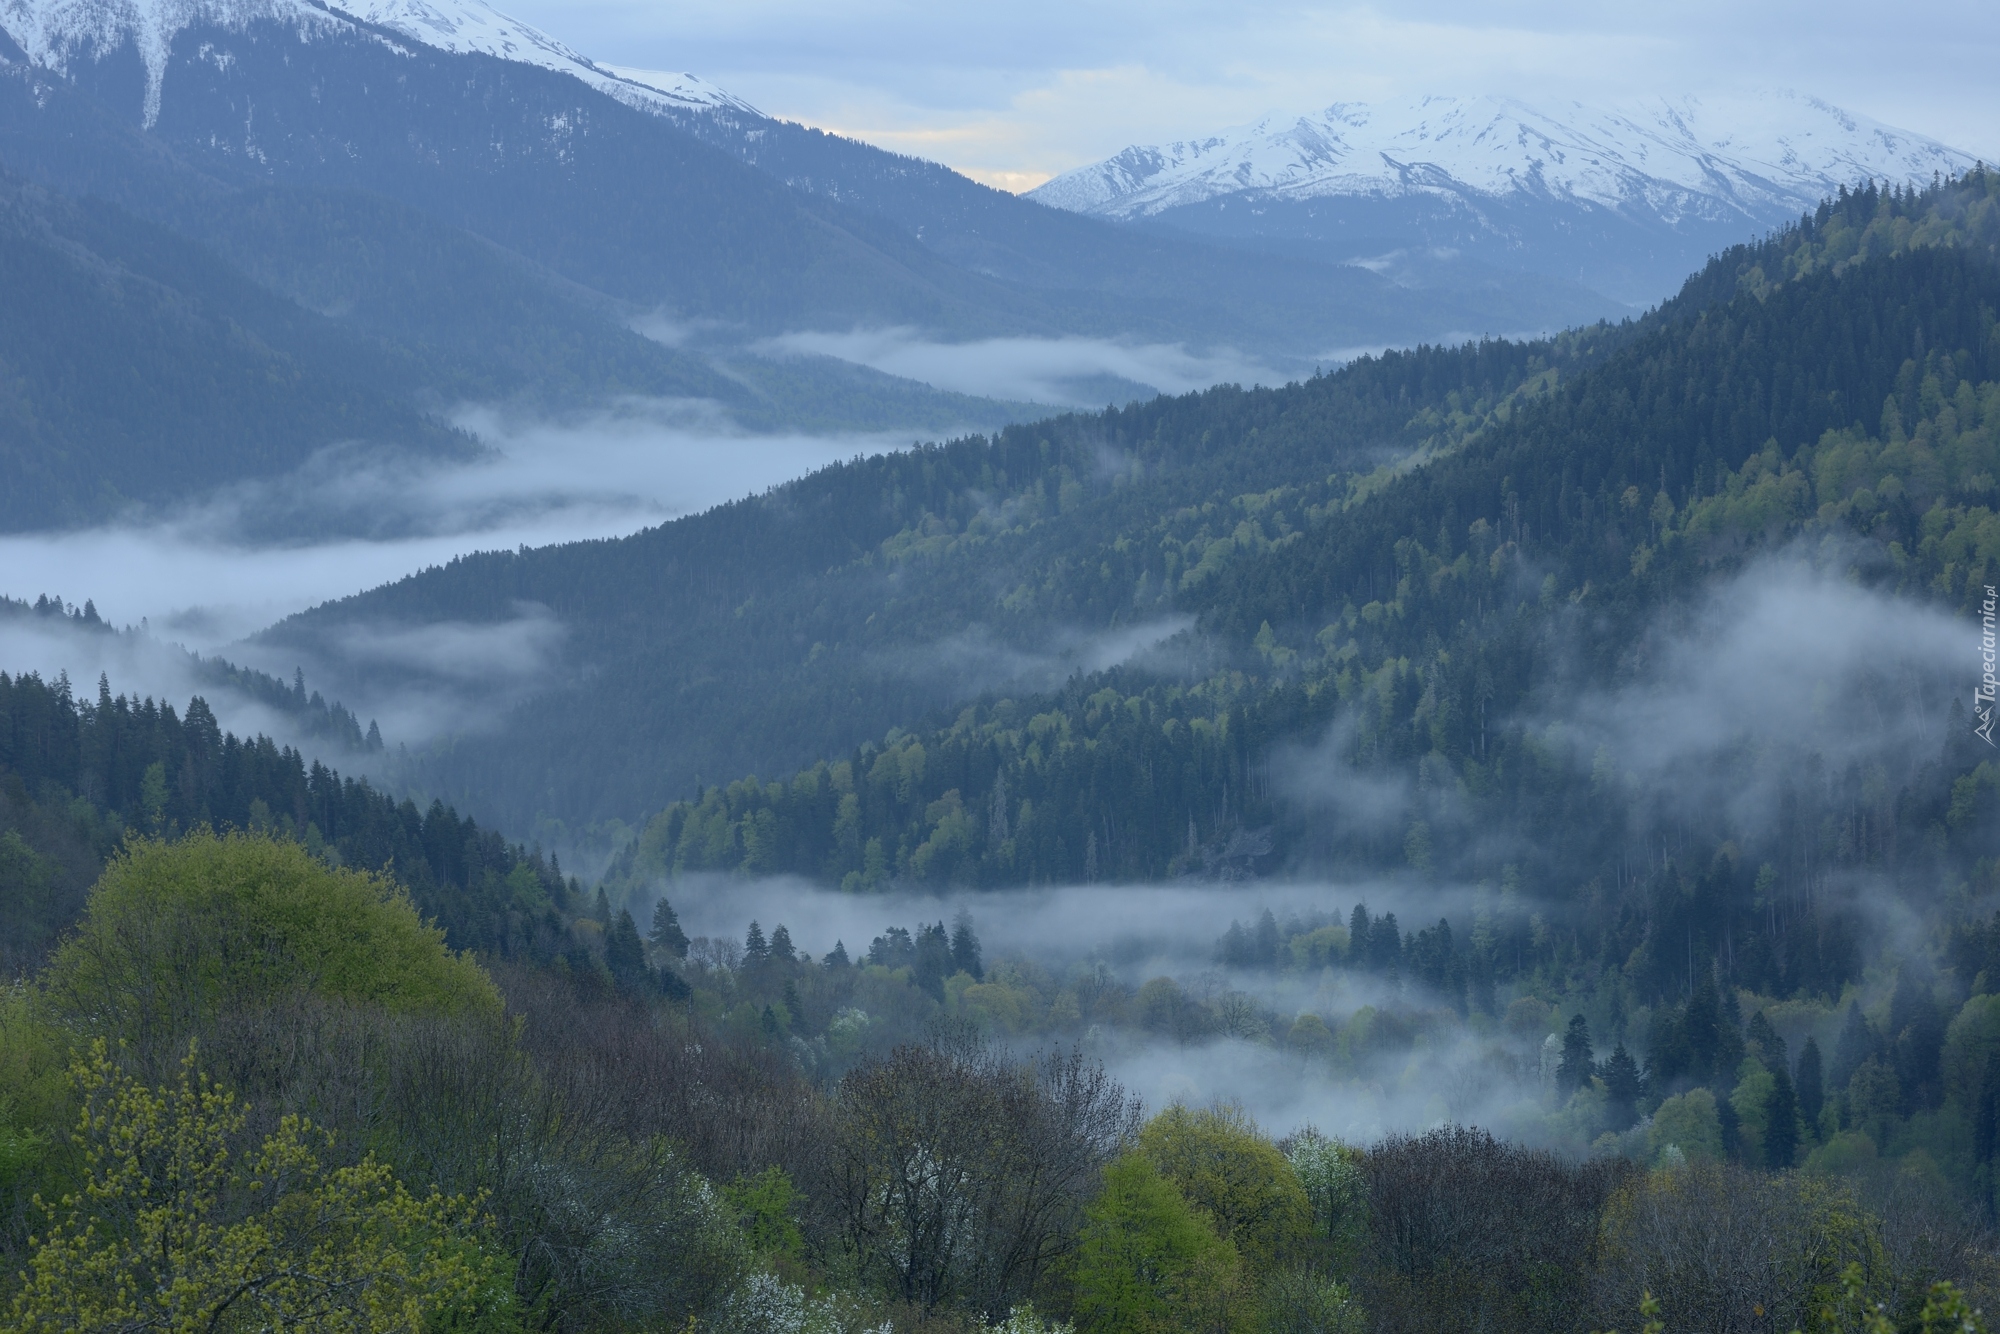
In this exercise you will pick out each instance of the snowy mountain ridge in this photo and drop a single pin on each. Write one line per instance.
(1760, 158)
(53, 33)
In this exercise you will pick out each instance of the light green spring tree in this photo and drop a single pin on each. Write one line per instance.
(175, 1231)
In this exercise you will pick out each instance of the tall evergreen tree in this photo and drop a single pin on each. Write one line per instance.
(965, 946)
(666, 932)
(625, 955)
(1267, 940)
(1811, 1085)
(756, 949)
(781, 946)
(1781, 1124)
(1357, 935)
(1577, 1066)
(1623, 1088)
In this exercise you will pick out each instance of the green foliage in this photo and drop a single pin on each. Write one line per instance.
(176, 1228)
(1687, 1122)
(1148, 1262)
(1224, 1167)
(767, 1206)
(183, 932)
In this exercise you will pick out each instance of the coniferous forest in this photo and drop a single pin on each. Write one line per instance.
(1501, 836)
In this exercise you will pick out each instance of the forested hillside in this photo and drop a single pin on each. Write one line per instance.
(802, 622)
(78, 776)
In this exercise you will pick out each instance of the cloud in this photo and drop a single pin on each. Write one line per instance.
(1790, 659)
(141, 666)
(219, 568)
(1138, 932)
(1079, 372)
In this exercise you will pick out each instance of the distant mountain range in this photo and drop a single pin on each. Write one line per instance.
(1623, 201)
(455, 207)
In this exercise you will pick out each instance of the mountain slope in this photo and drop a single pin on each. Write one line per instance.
(134, 365)
(1626, 200)
(598, 179)
(1557, 655)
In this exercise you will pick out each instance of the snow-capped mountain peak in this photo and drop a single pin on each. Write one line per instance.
(474, 26)
(1758, 157)
(53, 33)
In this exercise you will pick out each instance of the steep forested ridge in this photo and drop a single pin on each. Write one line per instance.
(78, 775)
(1438, 611)
(798, 623)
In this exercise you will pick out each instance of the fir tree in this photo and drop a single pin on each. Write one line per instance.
(837, 956)
(625, 955)
(1577, 1066)
(781, 946)
(1811, 1085)
(1623, 1088)
(965, 946)
(1267, 940)
(1781, 1130)
(666, 932)
(755, 949)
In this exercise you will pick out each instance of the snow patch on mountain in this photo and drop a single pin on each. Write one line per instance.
(474, 26)
(55, 33)
(1761, 157)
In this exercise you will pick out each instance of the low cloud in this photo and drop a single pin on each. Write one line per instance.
(213, 570)
(141, 666)
(1075, 372)
(1138, 932)
(1789, 660)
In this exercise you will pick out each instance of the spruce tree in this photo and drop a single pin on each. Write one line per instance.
(755, 949)
(666, 932)
(1624, 1087)
(1811, 1085)
(837, 956)
(625, 955)
(965, 946)
(1781, 1129)
(781, 946)
(1267, 940)
(1577, 1066)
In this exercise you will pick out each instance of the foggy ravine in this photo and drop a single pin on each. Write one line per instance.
(214, 571)
(1782, 663)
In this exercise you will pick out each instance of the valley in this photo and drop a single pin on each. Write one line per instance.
(619, 713)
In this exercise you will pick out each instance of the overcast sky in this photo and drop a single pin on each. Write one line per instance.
(1016, 90)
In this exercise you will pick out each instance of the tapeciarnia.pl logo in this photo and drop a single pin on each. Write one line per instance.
(1982, 698)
